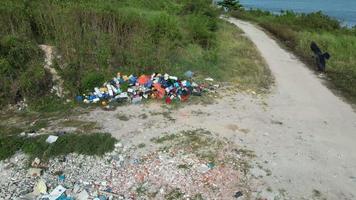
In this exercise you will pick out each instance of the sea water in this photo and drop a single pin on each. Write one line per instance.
(343, 10)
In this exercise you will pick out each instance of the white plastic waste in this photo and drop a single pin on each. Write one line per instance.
(55, 194)
(51, 139)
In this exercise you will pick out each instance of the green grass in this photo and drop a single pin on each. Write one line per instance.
(174, 194)
(239, 60)
(98, 38)
(87, 144)
(297, 31)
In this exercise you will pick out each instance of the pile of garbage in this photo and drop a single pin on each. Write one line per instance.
(134, 89)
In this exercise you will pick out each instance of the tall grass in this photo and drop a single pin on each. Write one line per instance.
(97, 38)
(87, 144)
(100, 37)
(297, 31)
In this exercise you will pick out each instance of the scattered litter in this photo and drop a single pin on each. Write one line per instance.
(276, 122)
(211, 165)
(189, 74)
(40, 187)
(51, 139)
(83, 195)
(125, 173)
(36, 162)
(209, 79)
(56, 193)
(238, 194)
(203, 168)
(34, 172)
(60, 133)
(61, 178)
(135, 89)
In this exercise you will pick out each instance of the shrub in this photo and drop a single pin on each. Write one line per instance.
(21, 73)
(92, 79)
(35, 82)
(199, 29)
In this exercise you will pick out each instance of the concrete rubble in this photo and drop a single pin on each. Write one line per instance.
(121, 174)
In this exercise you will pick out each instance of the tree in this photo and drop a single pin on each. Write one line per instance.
(230, 5)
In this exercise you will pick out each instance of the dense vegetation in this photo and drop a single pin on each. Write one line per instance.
(96, 38)
(87, 144)
(297, 31)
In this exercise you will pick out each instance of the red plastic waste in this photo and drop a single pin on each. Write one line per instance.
(160, 92)
(143, 79)
(184, 97)
(168, 100)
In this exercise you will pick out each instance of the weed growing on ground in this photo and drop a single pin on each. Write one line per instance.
(174, 194)
(87, 144)
(206, 147)
(122, 117)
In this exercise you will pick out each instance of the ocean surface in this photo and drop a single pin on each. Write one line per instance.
(343, 10)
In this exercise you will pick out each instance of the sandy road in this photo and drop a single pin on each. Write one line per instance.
(315, 148)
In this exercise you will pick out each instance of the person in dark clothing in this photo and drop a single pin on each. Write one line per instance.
(320, 57)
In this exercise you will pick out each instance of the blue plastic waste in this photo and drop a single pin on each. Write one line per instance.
(102, 197)
(61, 177)
(189, 74)
(132, 80)
(79, 98)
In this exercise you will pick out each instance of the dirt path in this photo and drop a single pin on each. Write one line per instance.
(58, 82)
(315, 147)
(302, 134)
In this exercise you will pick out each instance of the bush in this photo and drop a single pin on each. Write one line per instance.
(49, 104)
(35, 82)
(284, 33)
(200, 30)
(21, 73)
(91, 80)
(96, 38)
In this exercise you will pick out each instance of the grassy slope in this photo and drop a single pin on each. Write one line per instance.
(297, 32)
(98, 38)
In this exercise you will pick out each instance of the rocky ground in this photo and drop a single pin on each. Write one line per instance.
(187, 165)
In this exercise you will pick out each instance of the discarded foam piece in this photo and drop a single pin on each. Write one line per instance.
(136, 100)
(203, 168)
(76, 188)
(55, 194)
(36, 162)
(51, 139)
(34, 172)
(209, 79)
(40, 187)
(83, 195)
(29, 196)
